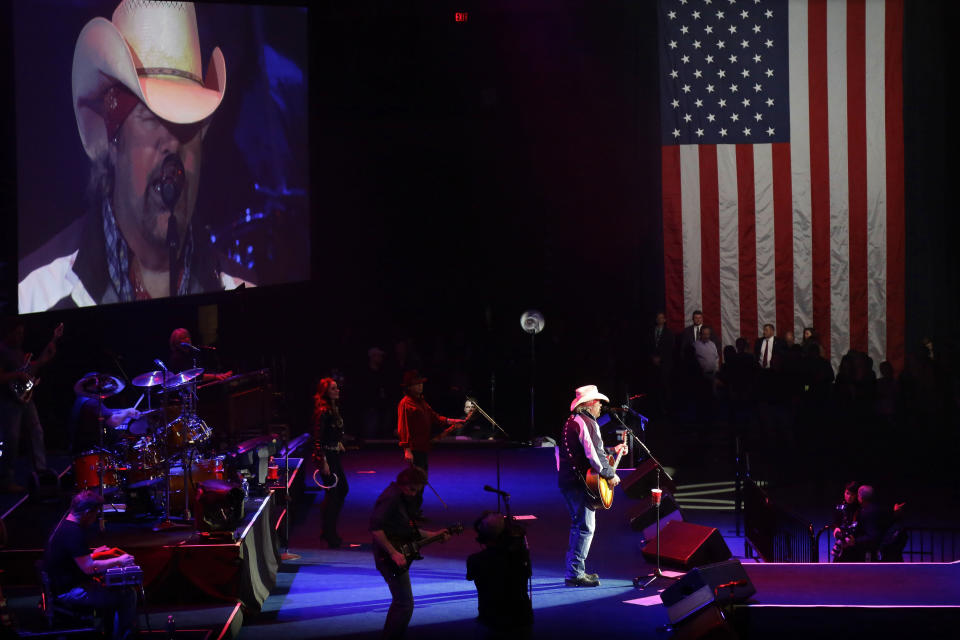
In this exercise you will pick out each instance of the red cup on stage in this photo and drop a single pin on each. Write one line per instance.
(656, 494)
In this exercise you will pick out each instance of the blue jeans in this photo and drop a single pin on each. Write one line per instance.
(401, 606)
(583, 522)
(118, 606)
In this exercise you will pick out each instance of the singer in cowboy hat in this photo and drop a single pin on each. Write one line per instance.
(142, 103)
(581, 448)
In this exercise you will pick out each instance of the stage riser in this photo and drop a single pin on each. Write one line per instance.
(849, 623)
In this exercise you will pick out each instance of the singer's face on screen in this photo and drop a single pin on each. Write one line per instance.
(143, 142)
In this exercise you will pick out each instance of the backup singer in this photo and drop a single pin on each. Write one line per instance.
(327, 448)
(392, 522)
(416, 419)
(71, 569)
(580, 449)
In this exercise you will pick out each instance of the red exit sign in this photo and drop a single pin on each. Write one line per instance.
(460, 16)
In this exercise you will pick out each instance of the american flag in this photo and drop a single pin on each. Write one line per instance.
(782, 156)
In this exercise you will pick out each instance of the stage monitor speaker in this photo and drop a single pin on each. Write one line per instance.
(686, 545)
(638, 484)
(643, 515)
(706, 623)
(720, 583)
(650, 532)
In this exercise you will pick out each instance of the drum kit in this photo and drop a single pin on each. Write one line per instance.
(163, 451)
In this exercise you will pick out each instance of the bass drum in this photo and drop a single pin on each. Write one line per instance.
(186, 431)
(200, 471)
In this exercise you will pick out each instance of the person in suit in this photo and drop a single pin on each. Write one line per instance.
(661, 343)
(768, 348)
(691, 333)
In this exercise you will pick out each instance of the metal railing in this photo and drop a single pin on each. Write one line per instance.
(939, 544)
(774, 533)
(924, 544)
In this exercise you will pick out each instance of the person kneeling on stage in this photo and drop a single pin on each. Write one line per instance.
(72, 570)
(392, 523)
(501, 572)
(580, 449)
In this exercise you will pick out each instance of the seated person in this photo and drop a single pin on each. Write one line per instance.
(501, 572)
(71, 569)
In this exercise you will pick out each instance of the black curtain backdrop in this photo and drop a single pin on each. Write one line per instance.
(465, 172)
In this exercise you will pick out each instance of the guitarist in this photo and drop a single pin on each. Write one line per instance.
(15, 410)
(392, 522)
(581, 448)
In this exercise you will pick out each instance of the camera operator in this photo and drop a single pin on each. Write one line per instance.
(72, 569)
(501, 571)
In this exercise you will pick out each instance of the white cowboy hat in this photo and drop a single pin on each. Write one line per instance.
(587, 394)
(152, 49)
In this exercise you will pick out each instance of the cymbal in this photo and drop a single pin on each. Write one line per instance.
(177, 380)
(95, 385)
(149, 379)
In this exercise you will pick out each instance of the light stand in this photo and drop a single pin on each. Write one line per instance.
(532, 322)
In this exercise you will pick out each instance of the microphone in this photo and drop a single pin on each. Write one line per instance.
(611, 409)
(172, 178)
(504, 494)
(159, 363)
(187, 345)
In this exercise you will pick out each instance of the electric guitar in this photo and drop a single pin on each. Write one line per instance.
(411, 550)
(597, 487)
(23, 389)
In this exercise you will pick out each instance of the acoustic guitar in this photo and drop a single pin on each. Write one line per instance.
(597, 486)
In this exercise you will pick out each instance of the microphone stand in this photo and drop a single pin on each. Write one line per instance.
(166, 524)
(657, 573)
(493, 422)
(173, 242)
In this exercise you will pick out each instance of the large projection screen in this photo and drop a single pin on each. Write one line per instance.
(162, 149)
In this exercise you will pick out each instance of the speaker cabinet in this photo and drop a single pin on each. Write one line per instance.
(638, 484)
(686, 545)
(725, 582)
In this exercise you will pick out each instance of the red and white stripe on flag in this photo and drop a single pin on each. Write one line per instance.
(808, 232)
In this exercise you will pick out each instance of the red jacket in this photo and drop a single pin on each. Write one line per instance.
(415, 420)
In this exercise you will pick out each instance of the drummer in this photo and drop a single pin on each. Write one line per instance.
(84, 420)
(183, 355)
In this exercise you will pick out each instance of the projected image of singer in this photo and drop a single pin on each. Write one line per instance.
(143, 106)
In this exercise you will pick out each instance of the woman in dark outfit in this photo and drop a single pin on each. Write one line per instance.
(327, 448)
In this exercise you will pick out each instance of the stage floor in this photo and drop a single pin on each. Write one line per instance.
(339, 594)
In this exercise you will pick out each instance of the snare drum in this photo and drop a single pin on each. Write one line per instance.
(186, 431)
(88, 466)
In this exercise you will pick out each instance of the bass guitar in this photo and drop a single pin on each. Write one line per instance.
(597, 487)
(411, 550)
